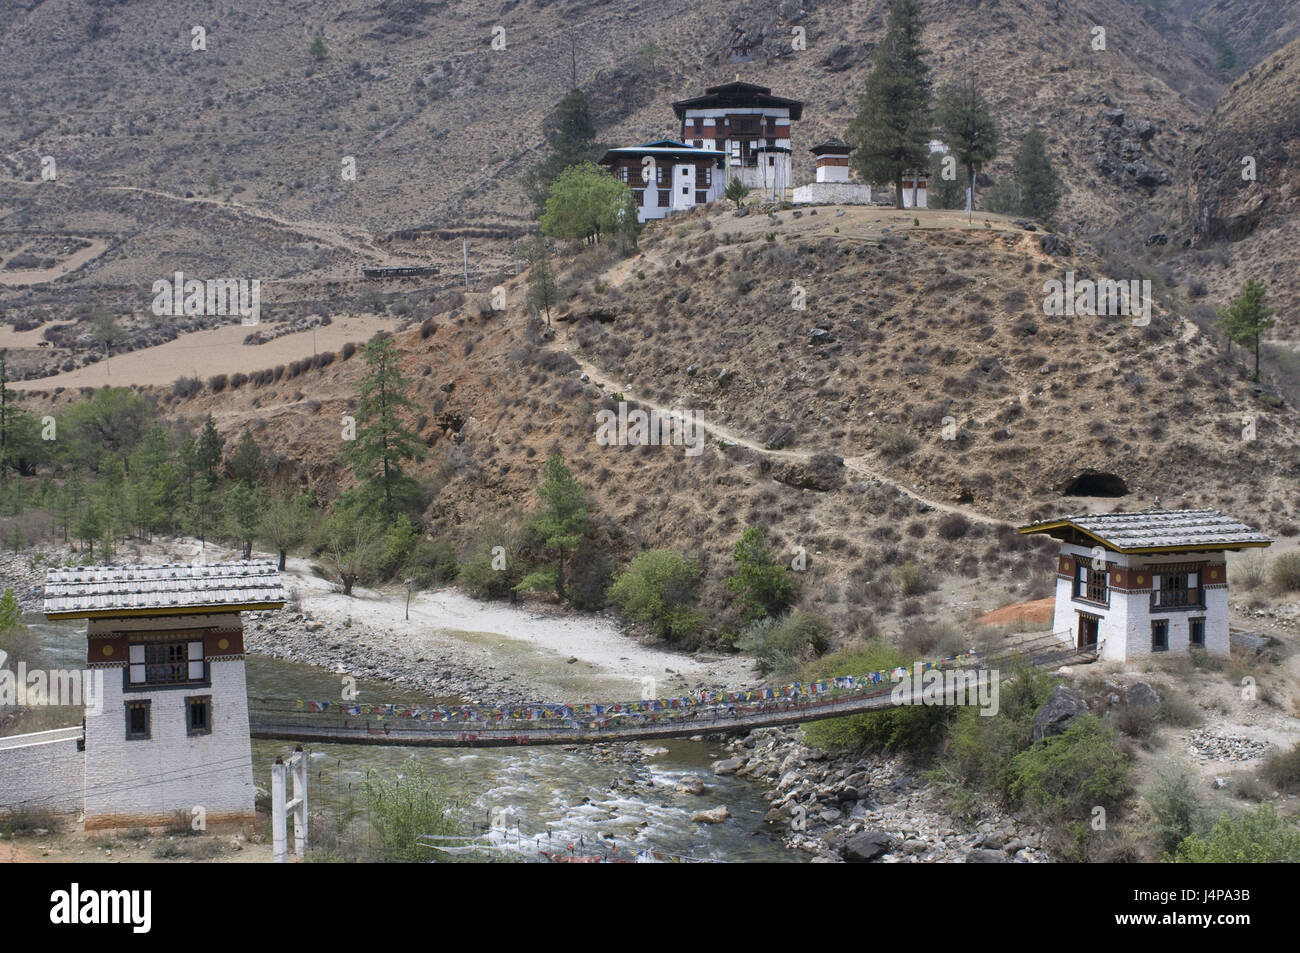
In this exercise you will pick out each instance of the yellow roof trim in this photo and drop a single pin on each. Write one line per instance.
(169, 610)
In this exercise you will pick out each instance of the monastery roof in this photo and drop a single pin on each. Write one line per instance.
(833, 144)
(170, 589)
(740, 96)
(1155, 531)
(665, 147)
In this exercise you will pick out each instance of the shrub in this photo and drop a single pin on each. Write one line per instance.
(919, 729)
(780, 645)
(402, 808)
(912, 579)
(590, 571)
(1066, 776)
(1284, 574)
(895, 441)
(954, 526)
(763, 584)
(1176, 807)
(659, 589)
(1258, 837)
(1282, 770)
(185, 387)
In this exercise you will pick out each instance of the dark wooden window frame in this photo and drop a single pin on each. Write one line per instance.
(1192, 624)
(1162, 626)
(177, 639)
(198, 700)
(144, 705)
(1096, 589)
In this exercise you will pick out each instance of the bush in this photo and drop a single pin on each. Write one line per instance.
(1176, 807)
(919, 729)
(1066, 776)
(404, 807)
(658, 589)
(1282, 770)
(589, 571)
(895, 441)
(762, 583)
(911, 579)
(1284, 574)
(954, 526)
(1259, 837)
(780, 645)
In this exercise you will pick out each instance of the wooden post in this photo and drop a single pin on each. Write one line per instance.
(277, 811)
(464, 249)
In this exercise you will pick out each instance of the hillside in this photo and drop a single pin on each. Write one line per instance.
(905, 325)
(1251, 226)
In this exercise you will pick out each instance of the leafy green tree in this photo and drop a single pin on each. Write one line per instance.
(89, 527)
(383, 442)
(736, 191)
(968, 130)
(561, 524)
(243, 512)
(105, 330)
(496, 562)
(761, 582)
(24, 450)
(586, 202)
(286, 523)
(1246, 318)
(68, 500)
(891, 131)
(108, 425)
(543, 292)
(1258, 837)
(658, 589)
(351, 545)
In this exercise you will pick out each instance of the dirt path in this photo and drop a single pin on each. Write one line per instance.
(70, 264)
(333, 235)
(856, 465)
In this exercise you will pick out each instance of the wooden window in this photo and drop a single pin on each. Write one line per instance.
(1196, 632)
(1160, 635)
(1177, 590)
(138, 722)
(166, 663)
(198, 715)
(1089, 583)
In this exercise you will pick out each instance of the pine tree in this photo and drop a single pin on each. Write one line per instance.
(1246, 318)
(247, 462)
(243, 511)
(561, 524)
(208, 454)
(968, 130)
(571, 140)
(383, 443)
(762, 583)
(1040, 190)
(542, 289)
(892, 128)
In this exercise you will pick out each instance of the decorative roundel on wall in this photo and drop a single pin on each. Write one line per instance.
(1214, 574)
(1140, 580)
(223, 644)
(108, 650)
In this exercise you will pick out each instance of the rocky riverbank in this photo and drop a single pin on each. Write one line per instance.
(854, 808)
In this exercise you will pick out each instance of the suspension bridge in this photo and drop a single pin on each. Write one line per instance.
(708, 713)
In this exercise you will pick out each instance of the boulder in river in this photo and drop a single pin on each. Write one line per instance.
(715, 815)
(866, 846)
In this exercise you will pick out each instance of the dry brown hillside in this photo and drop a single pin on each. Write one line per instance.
(904, 325)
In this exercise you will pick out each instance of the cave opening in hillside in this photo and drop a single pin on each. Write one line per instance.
(1096, 483)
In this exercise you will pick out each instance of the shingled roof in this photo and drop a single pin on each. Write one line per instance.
(171, 589)
(1155, 531)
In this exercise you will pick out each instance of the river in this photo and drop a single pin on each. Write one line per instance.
(579, 796)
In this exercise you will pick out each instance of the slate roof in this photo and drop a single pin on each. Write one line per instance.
(1152, 531)
(739, 95)
(833, 144)
(92, 591)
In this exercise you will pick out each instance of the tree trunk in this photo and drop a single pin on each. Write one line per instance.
(282, 555)
(347, 581)
(898, 190)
